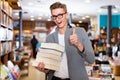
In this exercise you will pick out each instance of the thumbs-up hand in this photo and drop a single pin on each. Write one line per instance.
(74, 37)
(74, 40)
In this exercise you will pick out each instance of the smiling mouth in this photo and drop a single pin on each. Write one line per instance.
(59, 22)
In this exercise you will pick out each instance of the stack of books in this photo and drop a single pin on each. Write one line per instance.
(50, 54)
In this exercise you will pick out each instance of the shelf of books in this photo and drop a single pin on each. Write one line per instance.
(6, 27)
(8, 69)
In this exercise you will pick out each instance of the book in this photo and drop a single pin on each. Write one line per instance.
(16, 71)
(10, 64)
(3, 72)
(6, 68)
(50, 54)
(54, 46)
(45, 50)
(47, 65)
(48, 61)
(51, 64)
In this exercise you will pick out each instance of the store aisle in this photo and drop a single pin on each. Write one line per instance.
(34, 74)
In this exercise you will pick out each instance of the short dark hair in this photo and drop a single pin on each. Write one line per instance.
(58, 5)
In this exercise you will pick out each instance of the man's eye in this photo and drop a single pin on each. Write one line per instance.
(60, 15)
(54, 16)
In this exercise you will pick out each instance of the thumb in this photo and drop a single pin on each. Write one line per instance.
(74, 31)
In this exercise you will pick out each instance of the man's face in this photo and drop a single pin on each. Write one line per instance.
(59, 16)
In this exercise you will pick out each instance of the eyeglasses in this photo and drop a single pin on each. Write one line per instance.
(59, 16)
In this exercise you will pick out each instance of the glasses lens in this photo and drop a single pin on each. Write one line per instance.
(59, 16)
(53, 17)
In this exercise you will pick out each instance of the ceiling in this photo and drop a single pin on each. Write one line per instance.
(78, 8)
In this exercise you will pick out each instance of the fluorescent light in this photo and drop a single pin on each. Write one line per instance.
(16, 13)
(83, 18)
(99, 11)
(30, 4)
(87, 16)
(18, 3)
(87, 1)
(115, 11)
(39, 18)
(32, 19)
(48, 19)
(18, 17)
(32, 16)
(80, 21)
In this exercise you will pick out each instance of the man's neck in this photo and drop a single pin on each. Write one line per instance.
(62, 30)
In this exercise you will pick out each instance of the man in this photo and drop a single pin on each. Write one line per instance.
(77, 47)
(34, 42)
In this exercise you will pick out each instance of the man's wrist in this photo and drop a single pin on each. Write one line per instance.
(80, 47)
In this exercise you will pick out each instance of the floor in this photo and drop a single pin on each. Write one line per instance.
(33, 74)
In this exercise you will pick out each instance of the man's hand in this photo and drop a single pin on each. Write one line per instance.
(74, 40)
(74, 37)
(41, 67)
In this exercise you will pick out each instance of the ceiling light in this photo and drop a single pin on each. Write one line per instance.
(48, 19)
(18, 3)
(83, 17)
(87, 16)
(31, 16)
(39, 18)
(18, 17)
(87, 1)
(77, 25)
(80, 21)
(115, 11)
(16, 13)
(30, 4)
(99, 11)
(32, 19)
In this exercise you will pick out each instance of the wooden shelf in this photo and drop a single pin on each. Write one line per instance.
(6, 38)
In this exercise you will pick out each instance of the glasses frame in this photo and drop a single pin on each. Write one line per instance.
(59, 16)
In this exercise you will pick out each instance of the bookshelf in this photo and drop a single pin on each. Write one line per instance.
(6, 39)
(6, 27)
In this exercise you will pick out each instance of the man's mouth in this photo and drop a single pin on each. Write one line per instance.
(59, 23)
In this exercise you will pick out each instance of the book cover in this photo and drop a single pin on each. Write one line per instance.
(3, 73)
(9, 77)
(10, 64)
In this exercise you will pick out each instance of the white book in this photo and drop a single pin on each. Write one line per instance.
(54, 46)
(52, 67)
(48, 61)
(58, 53)
(47, 66)
(48, 55)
